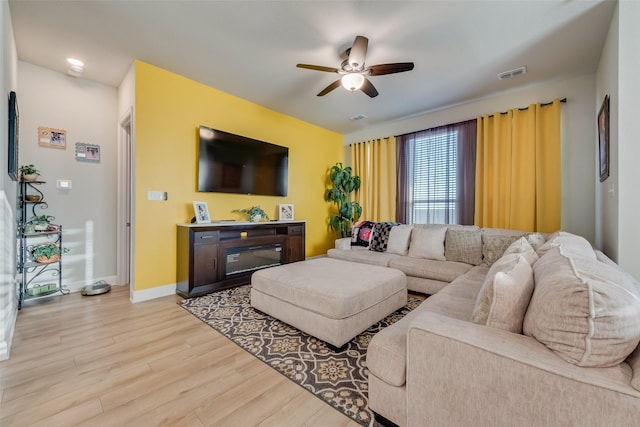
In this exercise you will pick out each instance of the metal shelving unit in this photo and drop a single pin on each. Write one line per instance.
(37, 280)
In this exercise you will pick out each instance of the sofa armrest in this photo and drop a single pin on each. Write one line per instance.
(460, 373)
(343, 243)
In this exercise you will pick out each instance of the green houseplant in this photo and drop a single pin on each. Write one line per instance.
(29, 172)
(343, 184)
(254, 213)
(46, 253)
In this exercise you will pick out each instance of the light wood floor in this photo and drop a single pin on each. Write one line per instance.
(102, 361)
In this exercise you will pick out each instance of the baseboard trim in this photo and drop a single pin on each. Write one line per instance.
(153, 293)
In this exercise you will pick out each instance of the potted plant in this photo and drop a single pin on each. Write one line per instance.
(348, 211)
(254, 213)
(29, 172)
(42, 223)
(46, 253)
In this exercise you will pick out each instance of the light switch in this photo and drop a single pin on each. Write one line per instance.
(156, 195)
(64, 184)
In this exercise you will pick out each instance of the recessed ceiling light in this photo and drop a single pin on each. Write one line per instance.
(75, 62)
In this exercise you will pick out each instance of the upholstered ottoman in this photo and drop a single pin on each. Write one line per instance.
(330, 299)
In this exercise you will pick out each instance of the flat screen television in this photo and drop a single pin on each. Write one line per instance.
(229, 163)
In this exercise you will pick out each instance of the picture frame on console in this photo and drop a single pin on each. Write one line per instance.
(603, 139)
(201, 213)
(285, 212)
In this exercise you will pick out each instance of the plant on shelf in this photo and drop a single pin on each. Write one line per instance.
(29, 172)
(254, 213)
(46, 253)
(42, 223)
(348, 211)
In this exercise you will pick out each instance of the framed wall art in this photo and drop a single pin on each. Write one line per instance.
(87, 152)
(201, 212)
(285, 212)
(603, 139)
(49, 137)
(12, 154)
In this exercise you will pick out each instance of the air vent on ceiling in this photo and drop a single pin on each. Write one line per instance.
(512, 73)
(358, 117)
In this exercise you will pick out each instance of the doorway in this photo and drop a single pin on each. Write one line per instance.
(125, 206)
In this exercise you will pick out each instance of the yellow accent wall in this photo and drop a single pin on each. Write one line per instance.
(168, 110)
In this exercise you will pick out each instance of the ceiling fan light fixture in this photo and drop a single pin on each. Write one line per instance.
(352, 81)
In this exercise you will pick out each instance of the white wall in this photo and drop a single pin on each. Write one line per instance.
(628, 136)
(87, 212)
(578, 128)
(607, 201)
(8, 80)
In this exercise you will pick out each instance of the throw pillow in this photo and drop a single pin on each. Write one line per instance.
(399, 238)
(522, 247)
(361, 233)
(428, 242)
(463, 245)
(504, 297)
(380, 236)
(536, 240)
(572, 244)
(583, 310)
(495, 241)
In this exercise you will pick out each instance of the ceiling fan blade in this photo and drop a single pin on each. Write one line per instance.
(329, 88)
(358, 52)
(400, 67)
(318, 68)
(369, 89)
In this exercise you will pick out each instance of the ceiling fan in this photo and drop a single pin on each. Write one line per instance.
(354, 73)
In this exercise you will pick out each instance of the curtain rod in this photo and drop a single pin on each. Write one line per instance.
(544, 104)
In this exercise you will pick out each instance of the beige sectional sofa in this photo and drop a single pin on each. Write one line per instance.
(542, 332)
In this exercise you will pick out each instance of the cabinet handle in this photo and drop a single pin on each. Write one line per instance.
(215, 264)
(207, 237)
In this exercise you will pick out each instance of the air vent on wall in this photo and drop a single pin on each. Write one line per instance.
(512, 73)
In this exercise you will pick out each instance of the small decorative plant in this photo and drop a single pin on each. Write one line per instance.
(254, 213)
(46, 253)
(29, 172)
(348, 211)
(41, 222)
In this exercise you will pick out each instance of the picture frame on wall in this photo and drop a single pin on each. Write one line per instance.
(201, 212)
(603, 139)
(285, 212)
(50, 137)
(12, 154)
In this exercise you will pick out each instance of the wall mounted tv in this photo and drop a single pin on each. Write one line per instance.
(229, 163)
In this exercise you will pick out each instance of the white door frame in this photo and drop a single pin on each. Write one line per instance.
(125, 205)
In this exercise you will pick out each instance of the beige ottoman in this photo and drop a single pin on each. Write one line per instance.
(330, 299)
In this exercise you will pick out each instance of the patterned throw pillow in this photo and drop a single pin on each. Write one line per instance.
(361, 233)
(463, 246)
(495, 241)
(380, 236)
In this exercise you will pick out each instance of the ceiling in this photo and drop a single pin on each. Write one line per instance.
(250, 48)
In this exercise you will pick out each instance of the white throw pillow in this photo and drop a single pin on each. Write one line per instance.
(522, 247)
(504, 297)
(428, 242)
(399, 238)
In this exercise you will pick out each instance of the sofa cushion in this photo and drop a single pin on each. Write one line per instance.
(572, 244)
(536, 240)
(446, 271)
(522, 247)
(463, 245)
(634, 363)
(495, 241)
(399, 238)
(505, 294)
(428, 242)
(584, 310)
(363, 256)
(380, 236)
(361, 233)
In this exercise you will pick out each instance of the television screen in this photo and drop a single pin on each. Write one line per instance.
(229, 163)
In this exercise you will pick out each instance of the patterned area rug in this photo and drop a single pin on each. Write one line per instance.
(340, 379)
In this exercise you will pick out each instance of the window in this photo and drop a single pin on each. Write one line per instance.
(437, 175)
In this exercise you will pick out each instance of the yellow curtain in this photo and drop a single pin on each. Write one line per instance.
(518, 182)
(375, 163)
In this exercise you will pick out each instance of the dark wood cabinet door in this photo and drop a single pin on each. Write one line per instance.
(295, 249)
(205, 264)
